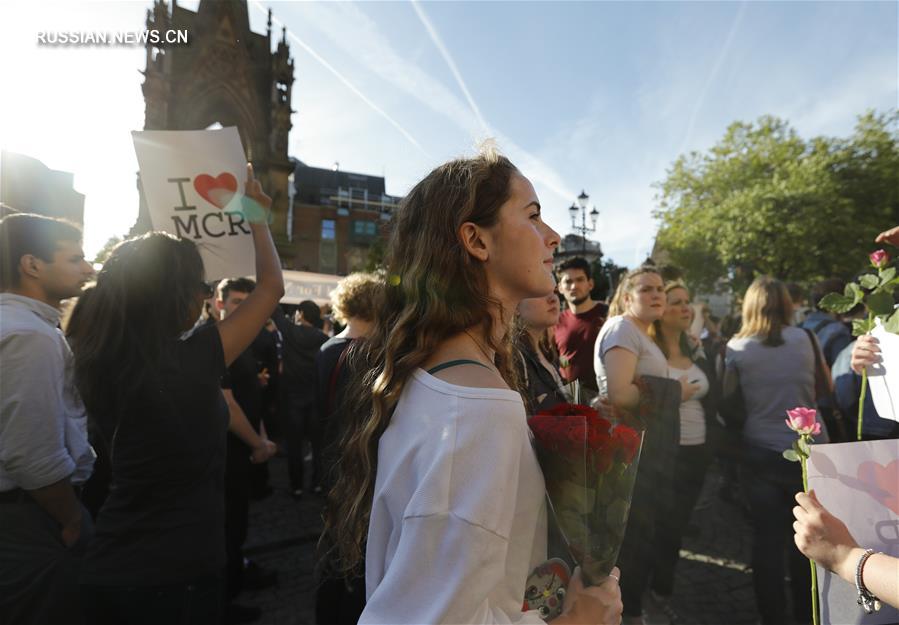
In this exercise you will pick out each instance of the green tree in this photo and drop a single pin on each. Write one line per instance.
(765, 201)
(606, 276)
(374, 259)
(107, 248)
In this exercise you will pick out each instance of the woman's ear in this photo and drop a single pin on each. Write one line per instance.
(474, 240)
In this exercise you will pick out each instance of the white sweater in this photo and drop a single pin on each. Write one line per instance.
(458, 519)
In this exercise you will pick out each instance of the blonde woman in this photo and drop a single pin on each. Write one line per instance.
(773, 365)
(437, 477)
(624, 352)
(687, 362)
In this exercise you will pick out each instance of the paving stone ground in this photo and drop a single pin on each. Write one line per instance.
(713, 585)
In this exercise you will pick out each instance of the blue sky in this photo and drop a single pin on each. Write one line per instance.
(596, 95)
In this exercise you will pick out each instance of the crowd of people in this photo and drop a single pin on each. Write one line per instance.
(135, 432)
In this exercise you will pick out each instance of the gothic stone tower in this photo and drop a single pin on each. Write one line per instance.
(226, 74)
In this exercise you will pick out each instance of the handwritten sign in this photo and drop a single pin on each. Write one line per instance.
(192, 181)
(859, 483)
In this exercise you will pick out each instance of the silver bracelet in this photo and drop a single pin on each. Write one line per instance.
(869, 602)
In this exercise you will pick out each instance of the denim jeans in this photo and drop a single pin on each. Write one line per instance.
(770, 483)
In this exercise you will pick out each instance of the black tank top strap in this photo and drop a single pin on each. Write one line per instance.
(453, 363)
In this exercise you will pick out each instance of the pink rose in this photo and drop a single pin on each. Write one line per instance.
(803, 421)
(879, 259)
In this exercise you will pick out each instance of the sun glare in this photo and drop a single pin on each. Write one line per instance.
(74, 105)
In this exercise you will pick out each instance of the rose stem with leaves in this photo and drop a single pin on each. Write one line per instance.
(802, 459)
(804, 421)
(861, 397)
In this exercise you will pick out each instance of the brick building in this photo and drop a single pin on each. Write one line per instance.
(334, 219)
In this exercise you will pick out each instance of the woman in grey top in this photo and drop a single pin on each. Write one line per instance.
(623, 353)
(773, 365)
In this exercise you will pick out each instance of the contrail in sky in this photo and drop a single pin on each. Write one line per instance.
(536, 168)
(738, 18)
(345, 81)
(438, 42)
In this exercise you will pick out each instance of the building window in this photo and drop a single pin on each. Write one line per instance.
(328, 230)
(343, 197)
(326, 195)
(363, 229)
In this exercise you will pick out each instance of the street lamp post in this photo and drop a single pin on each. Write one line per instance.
(581, 207)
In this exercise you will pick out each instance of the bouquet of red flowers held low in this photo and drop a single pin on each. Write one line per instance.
(589, 463)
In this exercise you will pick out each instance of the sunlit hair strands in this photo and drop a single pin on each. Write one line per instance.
(435, 289)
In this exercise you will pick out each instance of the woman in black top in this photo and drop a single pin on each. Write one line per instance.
(155, 398)
(538, 362)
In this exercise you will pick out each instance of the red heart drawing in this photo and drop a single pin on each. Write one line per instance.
(217, 191)
(886, 481)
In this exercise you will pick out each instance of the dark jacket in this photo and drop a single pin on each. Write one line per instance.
(537, 380)
(710, 401)
(301, 344)
(661, 416)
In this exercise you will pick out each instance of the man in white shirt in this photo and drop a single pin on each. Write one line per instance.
(44, 453)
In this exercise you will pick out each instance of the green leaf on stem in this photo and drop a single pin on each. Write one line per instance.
(836, 303)
(892, 324)
(880, 303)
(869, 281)
(855, 292)
(861, 327)
(803, 447)
(791, 455)
(886, 275)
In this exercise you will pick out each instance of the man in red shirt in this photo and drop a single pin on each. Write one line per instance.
(579, 324)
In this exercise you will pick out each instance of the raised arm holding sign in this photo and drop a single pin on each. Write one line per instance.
(240, 327)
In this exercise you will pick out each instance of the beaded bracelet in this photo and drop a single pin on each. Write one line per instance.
(869, 602)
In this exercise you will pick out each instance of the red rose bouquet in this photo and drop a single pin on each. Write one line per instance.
(589, 463)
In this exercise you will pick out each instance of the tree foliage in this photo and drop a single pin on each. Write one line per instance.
(606, 276)
(765, 201)
(107, 248)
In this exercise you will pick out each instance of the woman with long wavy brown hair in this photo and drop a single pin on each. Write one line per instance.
(437, 476)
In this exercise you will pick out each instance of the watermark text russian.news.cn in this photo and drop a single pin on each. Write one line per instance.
(120, 38)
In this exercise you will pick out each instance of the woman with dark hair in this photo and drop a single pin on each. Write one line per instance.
(537, 357)
(771, 364)
(437, 479)
(155, 398)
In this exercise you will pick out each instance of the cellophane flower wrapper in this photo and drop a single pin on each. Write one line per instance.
(589, 464)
